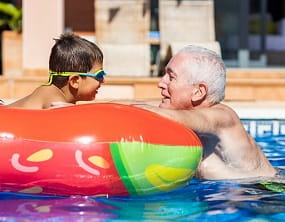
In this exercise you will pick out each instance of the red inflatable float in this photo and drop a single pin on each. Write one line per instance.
(94, 149)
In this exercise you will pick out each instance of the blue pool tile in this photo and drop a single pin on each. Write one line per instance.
(268, 127)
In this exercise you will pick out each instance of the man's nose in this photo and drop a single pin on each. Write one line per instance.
(162, 83)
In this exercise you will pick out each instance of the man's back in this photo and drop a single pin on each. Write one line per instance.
(230, 153)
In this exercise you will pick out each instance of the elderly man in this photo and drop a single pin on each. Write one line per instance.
(192, 89)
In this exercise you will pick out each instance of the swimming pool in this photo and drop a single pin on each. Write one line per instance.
(201, 200)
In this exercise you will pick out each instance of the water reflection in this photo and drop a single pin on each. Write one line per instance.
(198, 201)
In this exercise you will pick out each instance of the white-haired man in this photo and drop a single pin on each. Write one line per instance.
(193, 88)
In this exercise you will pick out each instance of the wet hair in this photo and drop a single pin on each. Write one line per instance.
(71, 53)
(206, 66)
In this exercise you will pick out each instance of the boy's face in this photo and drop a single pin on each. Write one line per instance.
(89, 86)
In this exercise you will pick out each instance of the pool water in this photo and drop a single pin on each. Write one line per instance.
(201, 200)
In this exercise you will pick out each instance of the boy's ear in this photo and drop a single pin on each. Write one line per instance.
(199, 93)
(74, 81)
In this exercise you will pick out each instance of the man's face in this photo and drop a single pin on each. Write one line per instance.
(175, 87)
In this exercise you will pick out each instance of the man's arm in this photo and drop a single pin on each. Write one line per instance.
(203, 120)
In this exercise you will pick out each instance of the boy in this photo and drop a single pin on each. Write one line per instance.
(76, 74)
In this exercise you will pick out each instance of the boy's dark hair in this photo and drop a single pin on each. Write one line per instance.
(72, 53)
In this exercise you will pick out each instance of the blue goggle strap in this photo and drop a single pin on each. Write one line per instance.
(98, 75)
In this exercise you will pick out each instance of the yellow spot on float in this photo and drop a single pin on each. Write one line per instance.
(99, 161)
(32, 190)
(167, 178)
(41, 155)
(43, 209)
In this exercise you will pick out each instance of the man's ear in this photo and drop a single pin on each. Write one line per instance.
(74, 81)
(199, 93)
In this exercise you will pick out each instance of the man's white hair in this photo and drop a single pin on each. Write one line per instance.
(206, 66)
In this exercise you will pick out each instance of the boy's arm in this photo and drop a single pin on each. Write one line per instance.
(58, 105)
(137, 103)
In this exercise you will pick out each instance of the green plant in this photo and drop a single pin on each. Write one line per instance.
(11, 15)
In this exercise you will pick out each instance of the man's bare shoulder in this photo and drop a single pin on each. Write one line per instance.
(223, 114)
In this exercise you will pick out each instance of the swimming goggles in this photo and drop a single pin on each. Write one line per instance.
(98, 75)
